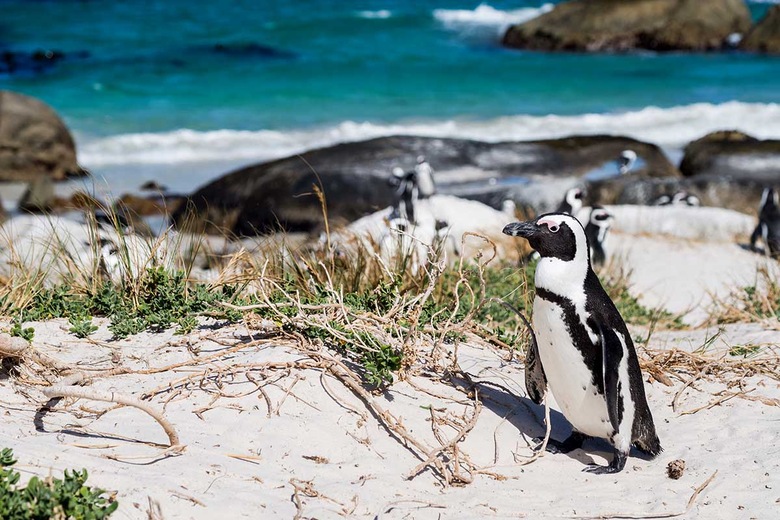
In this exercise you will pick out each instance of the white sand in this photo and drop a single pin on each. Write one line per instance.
(356, 469)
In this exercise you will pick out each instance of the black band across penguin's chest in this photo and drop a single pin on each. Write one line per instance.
(578, 332)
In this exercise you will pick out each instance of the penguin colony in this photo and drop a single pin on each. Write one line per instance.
(585, 353)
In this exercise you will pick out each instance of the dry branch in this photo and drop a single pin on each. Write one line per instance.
(67, 390)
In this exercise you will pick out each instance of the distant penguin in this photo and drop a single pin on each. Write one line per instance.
(424, 178)
(662, 200)
(585, 352)
(509, 208)
(407, 194)
(683, 198)
(572, 202)
(680, 198)
(626, 161)
(599, 222)
(768, 228)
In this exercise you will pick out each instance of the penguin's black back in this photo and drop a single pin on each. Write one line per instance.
(769, 218)
(601, 308)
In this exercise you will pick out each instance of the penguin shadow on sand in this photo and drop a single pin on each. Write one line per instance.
(527, 418)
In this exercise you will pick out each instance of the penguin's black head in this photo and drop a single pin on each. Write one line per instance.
(600, 217)
(553, 235)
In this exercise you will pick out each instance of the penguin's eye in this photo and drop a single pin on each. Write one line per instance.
(553, 228)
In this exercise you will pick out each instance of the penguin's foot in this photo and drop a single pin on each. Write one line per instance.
(572, 442)
(617, 465)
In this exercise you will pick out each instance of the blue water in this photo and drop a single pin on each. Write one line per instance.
(147, 82)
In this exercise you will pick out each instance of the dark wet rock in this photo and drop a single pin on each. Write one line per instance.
(743, 195)
(78, 201)
(151, 205)
(611, 25)
(153, 186)
(35, 62)
(280, 195)
(34, 141)
(765, 35)
(248, 50)
(734, 155)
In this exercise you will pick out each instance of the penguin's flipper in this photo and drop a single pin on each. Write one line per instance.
(535, 379)
(612, 353)
(754, 237)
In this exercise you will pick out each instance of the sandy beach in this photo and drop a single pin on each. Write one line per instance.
(304, 444)
(252, 262)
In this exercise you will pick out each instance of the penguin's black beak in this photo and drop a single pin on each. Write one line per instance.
(521, 229)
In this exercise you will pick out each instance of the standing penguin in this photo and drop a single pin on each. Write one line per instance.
(626, 161)
(768, 228)
(407, 194)
(599, 222)
(585, 352)
(572, 202)
(424, 177)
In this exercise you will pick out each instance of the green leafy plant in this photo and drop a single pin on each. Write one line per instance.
(744, 350)
(81, 327)
(18, 329)
(41, 499)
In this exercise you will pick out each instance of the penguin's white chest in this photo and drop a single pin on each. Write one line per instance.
(568, 377)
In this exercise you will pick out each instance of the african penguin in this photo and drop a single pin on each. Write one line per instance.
(768, 228)
(572, 202)
(599, 222)
(585, 352)
(423, 173)
(681, 198)
(626, 161)
(407, 194)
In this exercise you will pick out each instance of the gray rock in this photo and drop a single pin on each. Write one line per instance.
(734, 155)
(741, 195)
(353, 177)
(34, 142)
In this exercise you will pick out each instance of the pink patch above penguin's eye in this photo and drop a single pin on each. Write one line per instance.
(551, 224)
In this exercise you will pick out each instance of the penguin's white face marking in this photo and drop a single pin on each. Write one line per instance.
(552, 225)
(574, 199)
(560, 240)
(564, 251)
(602, 219)
(769, 199)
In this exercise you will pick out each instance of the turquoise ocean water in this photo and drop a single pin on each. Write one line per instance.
(182, 91)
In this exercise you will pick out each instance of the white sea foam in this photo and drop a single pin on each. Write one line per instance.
(375, 15)
(670, 128)
(486, 16)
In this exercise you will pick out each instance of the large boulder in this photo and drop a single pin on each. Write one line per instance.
(727, 169)
(765, 36)
(741, 195)
(34, 142)
(353, 177)
(732, 154)
(619, 25)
